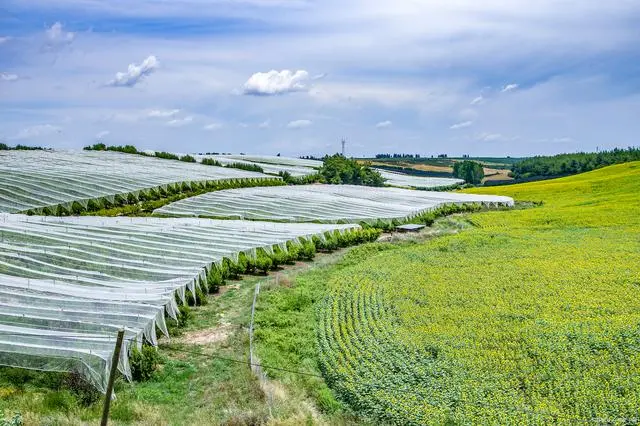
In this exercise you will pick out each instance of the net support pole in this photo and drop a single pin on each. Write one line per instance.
(112, 376)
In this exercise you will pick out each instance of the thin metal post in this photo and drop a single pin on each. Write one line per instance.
(112, 376)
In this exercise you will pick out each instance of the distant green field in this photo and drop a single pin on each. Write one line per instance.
(530, 317)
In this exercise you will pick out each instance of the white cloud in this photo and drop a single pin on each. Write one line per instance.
(461, 125)
(4, 39)
(265, 124)
(276, 83)
(495, 137)
(57, 37)
(179, 122)
(213, 126)
(38, 130)
(101, 135)
(8, 77)
(135, 73)
(477, 100)
(162, 113)
(510, 88)
(384, 124)
(299, 124)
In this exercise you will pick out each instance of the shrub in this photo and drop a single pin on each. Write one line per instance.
(245, 166)
(211, 162)
(308, 250)
(167, 155)
(187, 159)
(143, 362)
(214, 279)
(471, 171)
(279, 257)
(338, 169)
(263, 262)
(293, 253)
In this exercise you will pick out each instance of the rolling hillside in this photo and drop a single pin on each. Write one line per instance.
(530, 317)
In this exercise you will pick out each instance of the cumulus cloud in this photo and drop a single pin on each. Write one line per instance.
(477, 100)
(299, 124)
(384, 124)
(162, 113)
(101, 135)
(213, 126)
(38, 130)
(179, 122)
(57, 37)
(8, 77)
(510, 88)
(461, 125)
(135, 73)
(276, 83)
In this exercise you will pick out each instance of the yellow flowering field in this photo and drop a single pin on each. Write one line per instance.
(530, 317)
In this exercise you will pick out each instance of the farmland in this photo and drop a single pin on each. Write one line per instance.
(322, 203)
(528, 317)
(523, 316)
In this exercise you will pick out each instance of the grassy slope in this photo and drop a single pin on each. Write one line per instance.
(531, 317)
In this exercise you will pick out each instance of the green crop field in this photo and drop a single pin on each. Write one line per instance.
(531, 316)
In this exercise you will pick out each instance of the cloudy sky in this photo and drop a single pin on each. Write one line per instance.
(494, 77)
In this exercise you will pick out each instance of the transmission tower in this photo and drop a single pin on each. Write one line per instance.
(344, 143)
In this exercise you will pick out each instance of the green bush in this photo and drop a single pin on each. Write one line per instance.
(279, 257)
(471, 171)
(143, 362)
(263, 262)
(293, 253)
(187, 159)
(337, 169)
(308, 250)
(244, 166)
(211, 162)
(214, 279)
(167, 155)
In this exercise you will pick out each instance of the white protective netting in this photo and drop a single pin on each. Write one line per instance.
(283, 161)
(320, 203)
(35, 179)
(423, 182)
(269, 168)
(67, 285)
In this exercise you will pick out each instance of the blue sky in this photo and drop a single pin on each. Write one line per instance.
(295, 76)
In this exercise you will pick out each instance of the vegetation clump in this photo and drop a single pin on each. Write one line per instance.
(339, 170)
(245, 166)
(470, 171)
(569, 164)
(211, 162)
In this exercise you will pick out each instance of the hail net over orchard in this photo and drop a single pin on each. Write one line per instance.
(67, 285)
(37, 179)
(321, 203)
